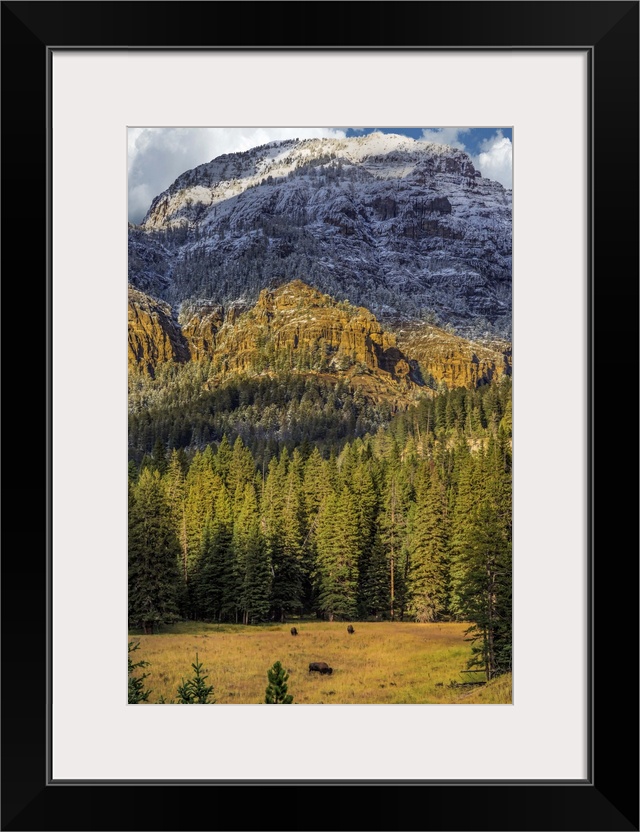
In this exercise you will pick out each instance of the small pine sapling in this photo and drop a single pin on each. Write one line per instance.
(137, 693)
(194, 691)
(276, 693)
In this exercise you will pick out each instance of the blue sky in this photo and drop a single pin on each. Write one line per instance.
(158, 155)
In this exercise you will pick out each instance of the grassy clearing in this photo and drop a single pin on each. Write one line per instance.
(382, 663)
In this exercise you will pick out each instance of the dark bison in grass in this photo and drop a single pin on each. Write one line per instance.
(320, 667)
(350, 630)
(294, 632)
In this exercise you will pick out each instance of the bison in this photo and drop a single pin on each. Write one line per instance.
(294, 632)
(350, 630)
(320, 667)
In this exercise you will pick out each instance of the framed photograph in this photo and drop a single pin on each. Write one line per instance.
(341, 472)
(120, 112)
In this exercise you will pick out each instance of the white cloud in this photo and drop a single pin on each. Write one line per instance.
(494, 161)
(158, 155)
(445, 135)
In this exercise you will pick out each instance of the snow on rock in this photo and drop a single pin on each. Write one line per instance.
(407, 228)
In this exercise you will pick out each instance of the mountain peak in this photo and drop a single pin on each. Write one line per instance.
(403, 227)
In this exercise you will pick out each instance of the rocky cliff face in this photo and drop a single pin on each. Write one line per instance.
(406, 228)
(200, 329)
(296, 328)
(154, 336)
(453, 360)
(291, 329)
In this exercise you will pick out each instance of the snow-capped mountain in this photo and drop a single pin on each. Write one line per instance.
(407, 228)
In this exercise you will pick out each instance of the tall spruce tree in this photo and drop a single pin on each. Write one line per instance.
(316, 488)
(217, 586)
(337, 566)
(159, 456)
(175, 490)
(253, 561)
(484, 591)
(154, 575)
(392, 536)
(481, 557)
(374, 598)
(200, 603)
(222, 460)
(428, 550)
(366, 502)
(289, 571)
(466, 492)
(282, 523)
(201, 490)
(241, 471)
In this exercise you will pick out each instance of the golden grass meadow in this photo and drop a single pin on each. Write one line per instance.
(381, 663)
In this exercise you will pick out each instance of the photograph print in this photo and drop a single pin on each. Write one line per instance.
(320, 415)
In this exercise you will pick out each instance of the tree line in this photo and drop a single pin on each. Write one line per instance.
(412, 522)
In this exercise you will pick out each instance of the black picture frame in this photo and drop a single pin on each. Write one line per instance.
(608, 799)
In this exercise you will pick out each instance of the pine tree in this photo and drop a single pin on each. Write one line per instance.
(374, 591)
(217, 581)
(484, 591)
(137, 693)
(201, 490)
(253, 562)
(154, 575)
(428, 550)
(497, 475)
(276, 693)
(300, 531)
(223, 457)
(132, 473)
(293, 531)
(337, 566)
(316, 485)
(159, 456)
(506, 423)
(315, 490)
(201, 603)
(481, 555)
(366, 502)
(241, 470)
(175, 490)
(392, 535)
(194, 691)
(347, 464)
(466, 492)
(282, 520)
(288, 580)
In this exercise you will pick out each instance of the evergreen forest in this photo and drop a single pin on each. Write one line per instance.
(269, 499)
